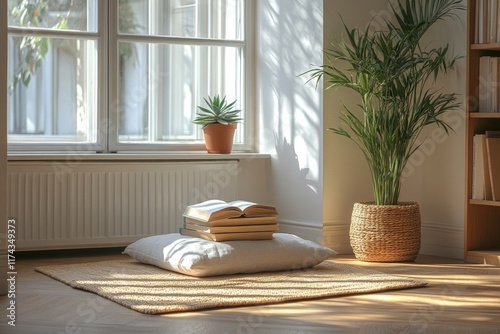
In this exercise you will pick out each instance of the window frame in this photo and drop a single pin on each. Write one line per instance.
(107, 38)
(101, 39)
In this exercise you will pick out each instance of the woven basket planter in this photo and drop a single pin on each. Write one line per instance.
(385, 233)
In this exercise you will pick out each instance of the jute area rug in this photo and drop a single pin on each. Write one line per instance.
(151, 290)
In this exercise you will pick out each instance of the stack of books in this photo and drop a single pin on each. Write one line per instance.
(486, 166)
(218, 220)
(488, 90)
(487, 29)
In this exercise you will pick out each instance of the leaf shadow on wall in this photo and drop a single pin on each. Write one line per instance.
(295, 191)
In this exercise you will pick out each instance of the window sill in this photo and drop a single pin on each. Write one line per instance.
(152, 156)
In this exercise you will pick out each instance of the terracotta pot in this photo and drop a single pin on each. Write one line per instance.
(219, 137)
(385, 233)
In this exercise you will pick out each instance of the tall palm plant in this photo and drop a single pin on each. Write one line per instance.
(393, 74)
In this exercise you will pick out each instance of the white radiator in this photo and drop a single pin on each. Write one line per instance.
(60, 205)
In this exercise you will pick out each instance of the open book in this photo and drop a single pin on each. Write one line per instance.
(217, 209)
(272, 220)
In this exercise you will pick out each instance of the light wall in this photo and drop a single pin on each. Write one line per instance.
(441, 159)
(289, 42)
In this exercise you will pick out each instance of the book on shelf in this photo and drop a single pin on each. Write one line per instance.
(487, 27)
(493, 84)
(487, 193)
(486, 23)
(493, 151)
(493, 21)
(483, 90)
(271, 220)
(231, 229)
(263, 235)
(478, 177)
(477, 27)
(217, 209)
(486, 166)
(483, 16)
(481, 183)
(488, 95)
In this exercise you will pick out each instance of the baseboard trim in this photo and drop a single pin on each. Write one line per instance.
(306, 230)
(336, 236)
(442, 240)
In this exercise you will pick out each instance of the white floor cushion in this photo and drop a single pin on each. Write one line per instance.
(199, 257)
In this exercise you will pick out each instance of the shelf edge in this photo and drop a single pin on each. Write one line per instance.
(483, 202)
(475, 114)
(486, 46)
(487, 257)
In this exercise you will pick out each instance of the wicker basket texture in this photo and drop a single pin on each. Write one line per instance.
(385, 233)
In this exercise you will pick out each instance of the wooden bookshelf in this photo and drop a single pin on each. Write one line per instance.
(484, 46)
(487, 115)
(483, 202)
(482, 217)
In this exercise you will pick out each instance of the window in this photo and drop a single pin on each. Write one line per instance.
(121, 75)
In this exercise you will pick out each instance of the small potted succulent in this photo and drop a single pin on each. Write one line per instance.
(219, 120)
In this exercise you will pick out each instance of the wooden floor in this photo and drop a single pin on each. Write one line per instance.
(460, 298)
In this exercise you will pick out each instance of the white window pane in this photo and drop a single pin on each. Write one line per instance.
(216, 19)
(161, 85)
(54, 77)
(78, 15)
(52, 98)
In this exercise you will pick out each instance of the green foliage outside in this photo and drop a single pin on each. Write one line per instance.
(55, 14)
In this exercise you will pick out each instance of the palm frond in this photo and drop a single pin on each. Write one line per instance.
(391, 71)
